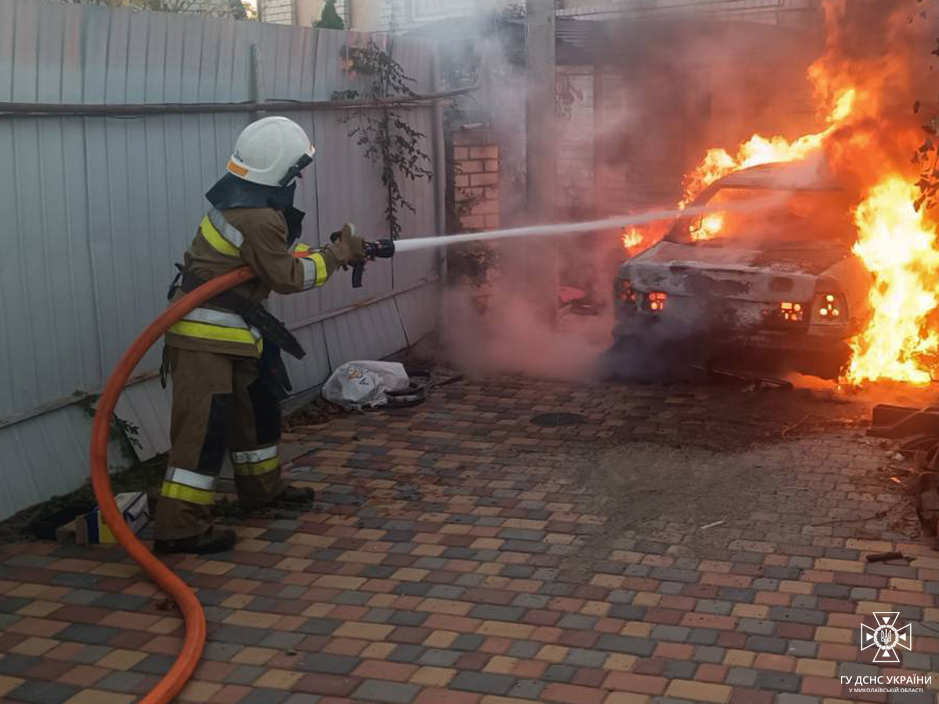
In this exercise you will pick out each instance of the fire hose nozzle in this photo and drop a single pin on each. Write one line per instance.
(379, 249)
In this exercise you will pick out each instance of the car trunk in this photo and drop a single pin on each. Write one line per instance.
(785, 273)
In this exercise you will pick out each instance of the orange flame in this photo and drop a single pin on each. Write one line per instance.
(899, 247)
(756, 151)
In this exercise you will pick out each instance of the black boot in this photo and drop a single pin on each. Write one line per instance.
(203, 544)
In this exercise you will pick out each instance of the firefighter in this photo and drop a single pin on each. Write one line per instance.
(224, 357)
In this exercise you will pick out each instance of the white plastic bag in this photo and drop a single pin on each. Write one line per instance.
(362, 384)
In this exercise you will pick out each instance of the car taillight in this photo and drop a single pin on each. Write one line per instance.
(624, 291)
(791, 312)
(656, 301)
(830, 308)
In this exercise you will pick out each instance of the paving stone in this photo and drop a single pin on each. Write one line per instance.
(925, 697)
(680, 670)
(559, 673)
(14, 663)
(797, 699)
(527, 689)
(245, 674)
(483, 682)
(82, 597)
(580, 657)
(778, 681)
(577, 622)
(240, 635)
(38, 692)
(87, 633)
(222, 652)
(328, 663)
(626, 644)
(353, 598)
(807, 616)
(90, 654)
(706, 653)
(671, 634)
(153, 664)
(281, 640)
(524, 650)
(802, 649)
(741, 677)
(736, 595)
(448, 591)
(756, 626)
(489, 612)
(126, 602)
(386, 692)
(406, 653)
(121, 681)
(319, 626)
(440, 658)
(833, 591)
(712, 606)
(627, 612)
(468, 641)
(703, 636)
(856, 669)
(805, 601)
(766, 644)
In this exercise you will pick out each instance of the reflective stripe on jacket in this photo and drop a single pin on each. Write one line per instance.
(226, 240)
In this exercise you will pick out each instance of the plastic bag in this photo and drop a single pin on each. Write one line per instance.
(363, 384)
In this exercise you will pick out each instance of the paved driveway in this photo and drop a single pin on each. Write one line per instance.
(673, 544)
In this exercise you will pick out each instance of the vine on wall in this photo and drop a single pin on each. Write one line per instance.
(387, 139)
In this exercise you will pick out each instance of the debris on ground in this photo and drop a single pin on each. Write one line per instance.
(886, 557)
(917, 429)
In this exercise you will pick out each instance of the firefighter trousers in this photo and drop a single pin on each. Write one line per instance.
(219, 406)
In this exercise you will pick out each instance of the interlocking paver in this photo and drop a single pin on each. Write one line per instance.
(462, 554)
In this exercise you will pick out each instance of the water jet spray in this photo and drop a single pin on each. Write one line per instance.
(561, 229)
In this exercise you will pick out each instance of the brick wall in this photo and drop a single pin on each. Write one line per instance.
(575, 155)
(475, 158)
(277, 11)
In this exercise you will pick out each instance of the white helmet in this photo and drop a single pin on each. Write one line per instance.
(271, 151)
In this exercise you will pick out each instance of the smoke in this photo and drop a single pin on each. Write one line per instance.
(669, 90)
(498, 331)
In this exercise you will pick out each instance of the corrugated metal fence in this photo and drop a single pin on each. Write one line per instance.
(95, 210)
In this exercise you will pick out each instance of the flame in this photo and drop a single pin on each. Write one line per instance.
(632, 238)
(898, 246)
(759, 150)
(710, 226)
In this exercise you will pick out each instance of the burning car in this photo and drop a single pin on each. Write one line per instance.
(770, 284)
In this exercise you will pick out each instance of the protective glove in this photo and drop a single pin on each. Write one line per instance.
(346, 247)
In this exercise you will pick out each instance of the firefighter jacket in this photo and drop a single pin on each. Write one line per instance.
(232, 238)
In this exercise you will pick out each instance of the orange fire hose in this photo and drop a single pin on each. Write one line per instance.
(174, 680)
